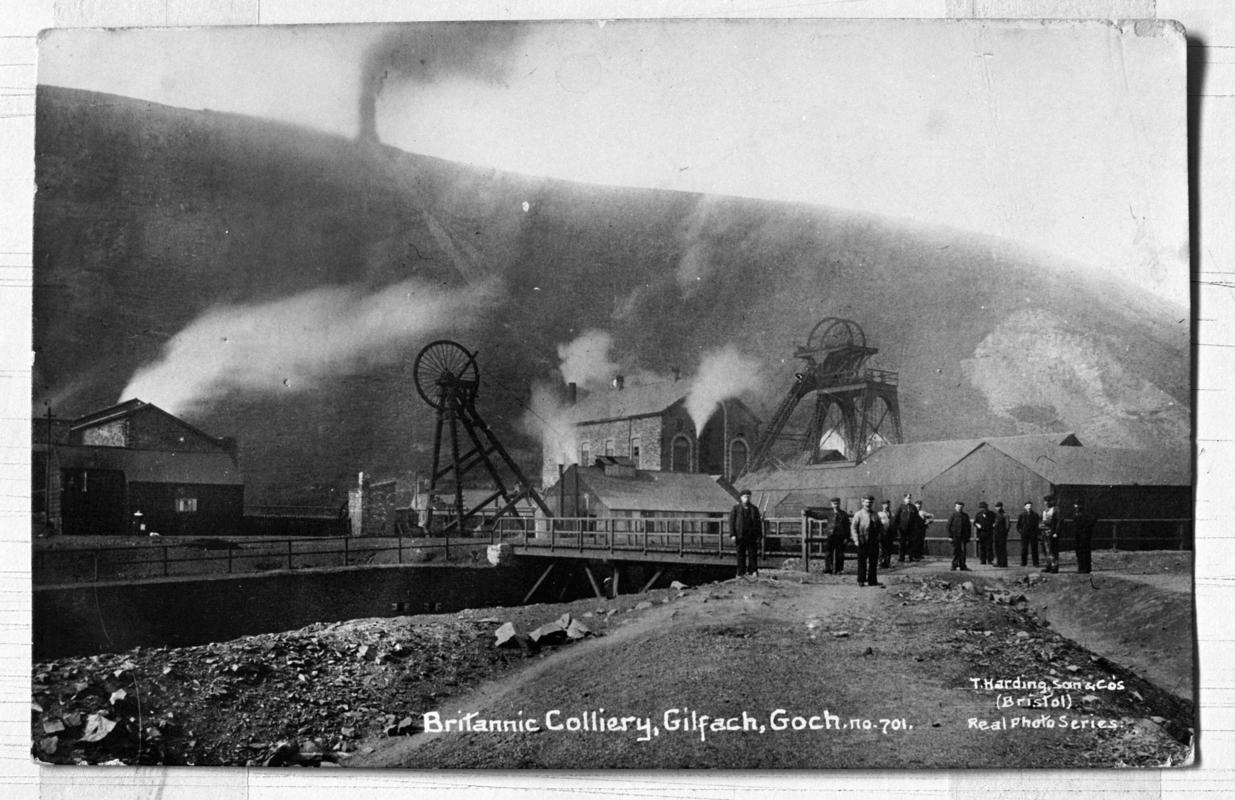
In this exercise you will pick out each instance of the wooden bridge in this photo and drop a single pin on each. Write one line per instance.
(615, 541)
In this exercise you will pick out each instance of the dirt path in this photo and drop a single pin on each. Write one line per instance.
(887, 675)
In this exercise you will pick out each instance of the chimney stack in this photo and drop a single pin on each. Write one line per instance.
(572, 393)
(677, 374)
(619, 382)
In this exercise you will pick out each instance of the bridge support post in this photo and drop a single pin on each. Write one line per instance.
(592, 580)
(649, 584)
(617, 578)
(539, 581)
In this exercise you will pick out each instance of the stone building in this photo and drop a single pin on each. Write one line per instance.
(649, 425)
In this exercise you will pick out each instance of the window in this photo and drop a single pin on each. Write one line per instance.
(186, 505)
(680, 455)
(737, 457)
(634, 450)
(583, 455)
(608, 447)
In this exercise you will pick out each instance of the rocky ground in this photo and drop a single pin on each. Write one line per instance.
(901, 659)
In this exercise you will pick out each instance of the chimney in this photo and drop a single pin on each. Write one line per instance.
(619, 382)
(572, 393)
(677, 374)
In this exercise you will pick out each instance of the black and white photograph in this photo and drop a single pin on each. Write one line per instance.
(653, 394)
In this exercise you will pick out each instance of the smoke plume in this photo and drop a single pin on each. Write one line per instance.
(722, 374)
(432, 52)
(585, 361)
(548, 419)
(290, 345)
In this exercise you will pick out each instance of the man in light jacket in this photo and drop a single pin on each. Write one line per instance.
(865, 530)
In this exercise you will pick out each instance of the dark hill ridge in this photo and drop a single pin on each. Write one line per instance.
(146, 216)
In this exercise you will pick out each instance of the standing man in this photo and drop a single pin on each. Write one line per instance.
(888, 528)
(907, 523)
(865, 530)
(1048, 532)
(1027, 528)
(1082, 530)
(746, 531)
(959, 531)
(1001, 536)
(984, 527)
(834, 556)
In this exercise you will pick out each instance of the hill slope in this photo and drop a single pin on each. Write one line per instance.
(148, 216)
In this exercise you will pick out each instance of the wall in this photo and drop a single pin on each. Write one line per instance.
(179, 612)
(152, 429)
(219, 508)
(378, 509)
(111, 434)
(622, 432)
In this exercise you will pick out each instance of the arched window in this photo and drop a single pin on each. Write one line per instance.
(634, 450)
(738, 453)
(680, 455)
(608, 447)
(583, 454)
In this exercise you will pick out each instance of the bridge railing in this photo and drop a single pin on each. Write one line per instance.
(668, 535)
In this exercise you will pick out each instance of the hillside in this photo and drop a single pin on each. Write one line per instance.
(148, 216)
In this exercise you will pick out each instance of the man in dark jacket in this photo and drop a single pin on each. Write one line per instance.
(959, 531)
(908, 522)
(1001, 536)
(887, 540)
(1027, 528)
(746, 531)
(834, 556)
(1082, 532)
(984, 529)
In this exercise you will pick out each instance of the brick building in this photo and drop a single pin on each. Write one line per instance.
(649, 424)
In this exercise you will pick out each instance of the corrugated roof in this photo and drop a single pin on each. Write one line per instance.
(629, 401)
(154, 466)
(685, 492)
(1057, 457)
(1101, 466)
(131, 408)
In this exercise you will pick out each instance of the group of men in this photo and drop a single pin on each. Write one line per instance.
(876, 534)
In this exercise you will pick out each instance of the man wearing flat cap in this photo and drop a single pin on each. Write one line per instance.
(746, 531)
(866, 530)
(834, 553)
(1082, 533)
(984, 530)
(959, 531)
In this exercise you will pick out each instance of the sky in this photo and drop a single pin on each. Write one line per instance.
(1069, 138)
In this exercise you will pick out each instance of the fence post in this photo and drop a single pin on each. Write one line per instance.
(400, 547)
(289, 553)
(1114, 535)
(805, 543)
(164, 549)
(345, 552)
(229, 559)
(1181, 534)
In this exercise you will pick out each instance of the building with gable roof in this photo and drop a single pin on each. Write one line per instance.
(648, 423)
(134, 468)
(1113, 483)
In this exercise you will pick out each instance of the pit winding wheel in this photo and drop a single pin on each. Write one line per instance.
(448, 379)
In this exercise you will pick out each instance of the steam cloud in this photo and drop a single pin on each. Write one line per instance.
(722, 374)
(548, 419)
(293, 343)
(585, 361)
